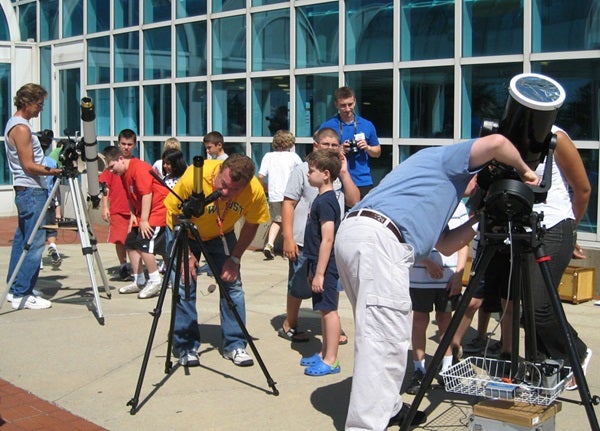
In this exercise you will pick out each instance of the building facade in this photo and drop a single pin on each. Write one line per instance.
(425, 72)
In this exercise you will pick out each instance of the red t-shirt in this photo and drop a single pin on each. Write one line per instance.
(138, 182)
(116, 193)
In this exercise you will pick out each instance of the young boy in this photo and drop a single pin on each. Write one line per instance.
(213, 142)
(324, 218)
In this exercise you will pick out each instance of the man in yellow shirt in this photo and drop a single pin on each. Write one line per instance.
(241, 196)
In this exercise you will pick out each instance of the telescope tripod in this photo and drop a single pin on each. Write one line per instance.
(86, 235)
(522, 241)
(178, 258)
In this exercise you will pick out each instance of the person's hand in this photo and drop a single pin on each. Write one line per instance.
(434, 269)
(145, 229)
(290, 249)
(454, 285)
(530, 177)
(316, 284)
(106, 215)
(192, 264)
(362, 145)
(231, 271)
(578, 252)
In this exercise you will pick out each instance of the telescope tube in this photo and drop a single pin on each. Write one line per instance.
(90, 153)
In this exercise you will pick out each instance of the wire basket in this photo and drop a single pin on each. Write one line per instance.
(490, 378)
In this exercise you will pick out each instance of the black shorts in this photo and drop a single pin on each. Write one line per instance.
(423, 300)
(156, 244)
(327, 300)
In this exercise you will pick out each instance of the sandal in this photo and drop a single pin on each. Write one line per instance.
(293, 335)
(323, 369)
(343, 338)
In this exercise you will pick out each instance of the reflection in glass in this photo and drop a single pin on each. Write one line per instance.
(187, 8)
(191, 49)
(589, 222)
(225, 5)
(229, 107)
(127, 13)
(27, 21)
(101, 99)
(580, 78)
(565, 26)
(72, 18)
(6, 102)
(69, 101)
(317, 35)
(98, 15)
(48, 20)
(156, 11)
(485, 91)
(381, 166)
(46, 82)
(427, 103)
(126, 57)
(314, 95)
(191, 105)
(152, 151)
(270, 105)
(98, 56)
(229, 45)
(126, 109)
(369, 31)
(157, 110)
(492, 27)
(157, 53)
(426, 30)
(374, 98)
(271, 40)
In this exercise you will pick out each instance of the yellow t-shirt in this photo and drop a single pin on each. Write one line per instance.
(251, 202)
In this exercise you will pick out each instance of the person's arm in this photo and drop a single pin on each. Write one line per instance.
(231, 267)
(457, 238)
(327, 235)
(290, 248)
(434, 269)
(20, 137)
(351, 192)
(374, 151)
(144, 225)
(455, 282)
(105, 208)
(497, 147)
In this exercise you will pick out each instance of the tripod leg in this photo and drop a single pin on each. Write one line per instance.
(30, 240)
(478, 271)
(232, 307)
(574, 358)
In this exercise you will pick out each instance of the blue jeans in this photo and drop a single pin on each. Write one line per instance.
(186, 334)
(30, 204)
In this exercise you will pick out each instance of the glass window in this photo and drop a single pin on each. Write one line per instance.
(69, 101)
(127, 57)
(72, 18)
(426, 30)
(270, 105)
(271, 40)
(317, 35)
(589, 222)
(187, 8)
(127, 13)
(369, 31)
(157, 53)
(580, 78)
(565, 26)
(229, 107)
(374, 98)
(46, 82)
(28, 21)
(382, 166)
(127, 102)
(101, 99)
(314, 95)
(265, 2)
(225, 5)
(191, 49)
(229, 45)
(492, 27)
(98, 59)
(153, 151)
(157, 110)
(5, 113)
(427, 103)
(98, 15)
(49, 20)
(485, 91)
(156, 11)
(191, 108)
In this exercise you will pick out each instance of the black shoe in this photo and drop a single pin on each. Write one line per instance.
(420, 417)
(415, 382)
(124, 273)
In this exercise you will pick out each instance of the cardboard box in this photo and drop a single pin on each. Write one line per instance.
(522, 414)
(576, 284)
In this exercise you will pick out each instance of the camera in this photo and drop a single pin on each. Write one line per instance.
(352, 146)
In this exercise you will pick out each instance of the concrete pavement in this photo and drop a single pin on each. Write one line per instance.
(65, 356)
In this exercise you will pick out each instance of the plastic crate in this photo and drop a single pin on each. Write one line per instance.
(490, 378)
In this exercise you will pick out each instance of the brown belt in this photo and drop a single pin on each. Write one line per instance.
(380, 218)
(20, 188)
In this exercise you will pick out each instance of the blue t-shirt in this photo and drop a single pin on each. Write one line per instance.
(324, 208)
(420, 194)
(358, 163)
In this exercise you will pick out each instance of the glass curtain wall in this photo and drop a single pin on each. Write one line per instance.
(425, 72)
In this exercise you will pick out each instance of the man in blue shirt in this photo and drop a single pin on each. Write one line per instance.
(358, 136)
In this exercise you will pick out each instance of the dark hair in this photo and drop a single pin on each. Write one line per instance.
(176, 160)
(241, 167)
(213, 137)
(343, 93)
(326, 160)
(325, 132)
(111, 154)
(127, 134)
(29, 94)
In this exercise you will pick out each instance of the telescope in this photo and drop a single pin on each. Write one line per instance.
(90, 147)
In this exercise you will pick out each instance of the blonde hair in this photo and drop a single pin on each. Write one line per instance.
(283, 140)
(172, 144)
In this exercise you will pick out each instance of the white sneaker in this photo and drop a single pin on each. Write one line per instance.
(35, 292)
(30, 301)
(572, 384)
(131, 288)
(150, 290)
(239, 357)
